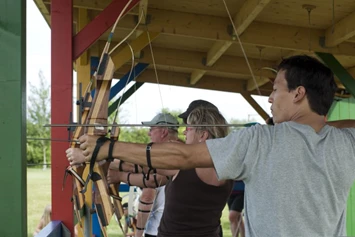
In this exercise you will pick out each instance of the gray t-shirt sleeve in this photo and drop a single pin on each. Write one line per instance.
(235, 155)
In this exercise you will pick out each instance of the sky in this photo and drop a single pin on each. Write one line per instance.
(150, 98)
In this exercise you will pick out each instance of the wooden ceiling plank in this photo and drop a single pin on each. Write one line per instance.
(196, 75)
(217, 50)
(258, 33)
(183, 79)
(119, 58)
(92, 5)
(192, 61)
(41, 5)
(247, 14)
(342, 31)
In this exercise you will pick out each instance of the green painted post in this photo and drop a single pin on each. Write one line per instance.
(339, 71)
(13, 203)
(345, 109)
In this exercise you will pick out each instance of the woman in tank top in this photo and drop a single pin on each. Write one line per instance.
(194, 199)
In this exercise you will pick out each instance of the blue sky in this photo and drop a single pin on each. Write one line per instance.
(150, 98)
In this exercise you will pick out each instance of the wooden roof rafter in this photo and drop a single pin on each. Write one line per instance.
(193, 37)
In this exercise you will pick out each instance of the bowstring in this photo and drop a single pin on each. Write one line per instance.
(124, 40)
(242, 47)
(154, 66)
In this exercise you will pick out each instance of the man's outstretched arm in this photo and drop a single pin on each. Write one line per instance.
(163, 155)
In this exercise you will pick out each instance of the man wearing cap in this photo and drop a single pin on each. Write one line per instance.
(151, 201)
(155, 196)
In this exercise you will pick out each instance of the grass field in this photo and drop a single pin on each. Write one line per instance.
(39, 195)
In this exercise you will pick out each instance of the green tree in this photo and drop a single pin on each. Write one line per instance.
(38, 114)
(139, 135)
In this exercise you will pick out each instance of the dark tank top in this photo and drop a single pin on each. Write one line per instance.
(192, 207)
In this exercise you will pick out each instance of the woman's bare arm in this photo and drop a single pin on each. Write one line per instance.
(163, 155)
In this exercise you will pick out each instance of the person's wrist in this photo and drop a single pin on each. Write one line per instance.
(103, 152)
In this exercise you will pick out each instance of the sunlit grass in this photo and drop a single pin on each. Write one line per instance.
(39, 195)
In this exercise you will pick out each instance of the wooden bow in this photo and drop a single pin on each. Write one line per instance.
(78, 197)
(97, 114)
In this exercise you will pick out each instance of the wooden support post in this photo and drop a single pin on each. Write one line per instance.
(61, 102)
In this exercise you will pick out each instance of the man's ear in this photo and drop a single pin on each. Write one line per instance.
(299, 93)
(164, 133)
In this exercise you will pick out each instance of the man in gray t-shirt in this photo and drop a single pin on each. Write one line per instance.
(295, 185)
(297, 174)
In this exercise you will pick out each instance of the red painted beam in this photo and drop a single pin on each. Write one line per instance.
(61, 106)
(92, 31)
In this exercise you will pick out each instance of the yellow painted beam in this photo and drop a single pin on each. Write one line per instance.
(247, 14)
(255, 105)
(196, 75)
(121, 57)
(342, 31)
(83, 78)
(217, 50)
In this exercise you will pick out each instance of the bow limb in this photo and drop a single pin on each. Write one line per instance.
(78, 197)
(98, 116)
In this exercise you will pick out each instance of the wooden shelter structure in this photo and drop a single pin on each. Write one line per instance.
(192, 43)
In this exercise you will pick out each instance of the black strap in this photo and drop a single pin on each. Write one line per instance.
(145, 185)
(136, 170)
(99, 142)
(139, 228)
(145, 203)
(110, 149)
(149, 147)
(144, 211)
(155, 177)
(149, 162)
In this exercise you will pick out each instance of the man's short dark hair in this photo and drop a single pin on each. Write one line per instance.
(315, 77)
